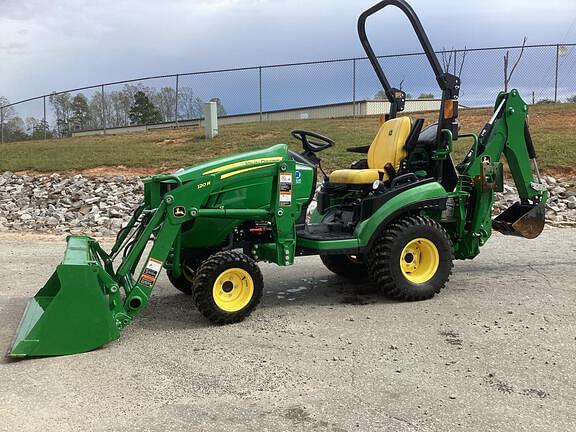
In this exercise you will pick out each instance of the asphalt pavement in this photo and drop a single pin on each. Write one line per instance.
(494, 351)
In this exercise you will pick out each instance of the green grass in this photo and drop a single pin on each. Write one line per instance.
(553, 128)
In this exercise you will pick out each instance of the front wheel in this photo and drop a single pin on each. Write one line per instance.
(228, 287)
(412, 259)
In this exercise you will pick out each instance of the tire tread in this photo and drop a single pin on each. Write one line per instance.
(380, 262)
(204, 280)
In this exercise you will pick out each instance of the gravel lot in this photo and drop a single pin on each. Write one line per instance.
(494, 351)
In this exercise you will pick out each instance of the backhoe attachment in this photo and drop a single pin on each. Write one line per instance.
(507, 133)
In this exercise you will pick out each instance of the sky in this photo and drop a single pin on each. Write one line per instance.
(54, 45)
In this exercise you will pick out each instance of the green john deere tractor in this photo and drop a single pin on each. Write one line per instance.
(401, 216)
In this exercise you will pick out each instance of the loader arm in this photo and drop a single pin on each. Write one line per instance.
(161, 225)
(87, 301)
(505, 134)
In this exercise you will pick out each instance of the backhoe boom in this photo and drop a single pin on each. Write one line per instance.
(505, 134)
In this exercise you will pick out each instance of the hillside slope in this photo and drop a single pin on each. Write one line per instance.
(553, 128)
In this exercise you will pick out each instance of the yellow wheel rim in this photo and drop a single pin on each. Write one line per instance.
(233, 290)
(419, 260)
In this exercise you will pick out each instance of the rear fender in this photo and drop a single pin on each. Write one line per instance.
(429, 196)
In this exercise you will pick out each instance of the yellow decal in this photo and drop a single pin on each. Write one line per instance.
(243, 164)
(179, 211)
(233, 173)
(203, 185)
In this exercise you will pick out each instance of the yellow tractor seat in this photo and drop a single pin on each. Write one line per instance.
(388, 147)
(356, 176)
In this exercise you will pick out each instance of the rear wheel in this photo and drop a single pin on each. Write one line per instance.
(190, 264)
(348, 266)
(412, 259)
(228, 287)
(351, 267)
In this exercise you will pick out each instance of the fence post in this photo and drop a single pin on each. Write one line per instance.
(44, 124)
(2, 122)
(354, 88)
(260, 89)
(556, 75)
(103, 110)
(176, 107)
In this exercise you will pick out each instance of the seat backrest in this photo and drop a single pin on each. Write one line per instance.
(389, 144)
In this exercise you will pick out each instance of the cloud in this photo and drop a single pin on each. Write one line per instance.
(53, 45)
(13, 48)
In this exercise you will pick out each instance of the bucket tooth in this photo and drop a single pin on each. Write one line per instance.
(521, 220)
(71, 313)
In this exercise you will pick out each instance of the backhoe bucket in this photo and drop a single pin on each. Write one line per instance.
(522, 220)
(71, 313)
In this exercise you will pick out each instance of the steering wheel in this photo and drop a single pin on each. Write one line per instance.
(319, 143)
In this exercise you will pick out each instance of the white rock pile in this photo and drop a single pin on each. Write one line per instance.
(100, 206)
(60, 204)
(560, 208)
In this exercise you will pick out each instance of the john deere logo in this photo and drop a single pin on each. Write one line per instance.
(179, 211)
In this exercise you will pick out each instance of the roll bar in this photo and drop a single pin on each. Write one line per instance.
(449, 84)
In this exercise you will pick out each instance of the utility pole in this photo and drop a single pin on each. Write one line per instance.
(260, 91)
(556, 74)
(103, 110)
(44, 124)
(2, 122)
(176, 107)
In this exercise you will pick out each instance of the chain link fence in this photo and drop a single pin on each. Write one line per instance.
(545, 74)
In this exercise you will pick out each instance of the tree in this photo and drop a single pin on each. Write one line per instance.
(62, 107)
(80, 112)
(508, 76)
(13, 126)
(15, 129)
(95, 117)
(220, 106)
(189, 105)
(382, 95)
(143, 111)
(165, 102)
(571, 99)
(7, 112)
(115, 112)
(118, 107)
(37, 129)
(449, 61)
(426, 96)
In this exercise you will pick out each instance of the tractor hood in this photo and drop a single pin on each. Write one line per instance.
(240, 161)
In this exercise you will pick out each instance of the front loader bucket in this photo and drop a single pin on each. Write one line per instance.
(522, 220)
(71, 313)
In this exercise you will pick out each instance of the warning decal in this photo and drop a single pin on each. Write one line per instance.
(285, 198)
(150, 272)
(286, 189)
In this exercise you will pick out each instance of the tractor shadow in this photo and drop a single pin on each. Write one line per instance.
(170, 309)
(330, 290)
